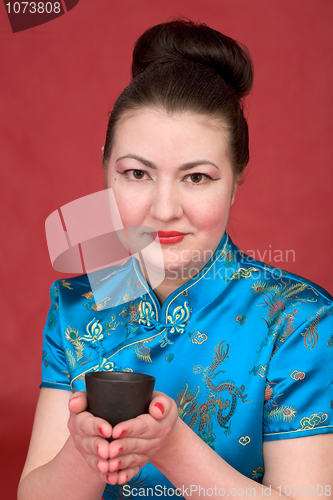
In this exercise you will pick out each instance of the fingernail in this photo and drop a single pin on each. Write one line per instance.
(120, 450)
(100, 430)
(119, 464)
(122, 434)
(160, 406)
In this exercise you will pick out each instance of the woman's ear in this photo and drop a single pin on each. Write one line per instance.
(234, 191)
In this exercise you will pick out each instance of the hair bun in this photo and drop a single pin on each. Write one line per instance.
(182, 40)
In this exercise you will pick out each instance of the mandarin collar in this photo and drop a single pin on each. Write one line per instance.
(200, 290)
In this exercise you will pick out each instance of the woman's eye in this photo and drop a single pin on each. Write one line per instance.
(134, 174)
(138, 174)
(198, 178)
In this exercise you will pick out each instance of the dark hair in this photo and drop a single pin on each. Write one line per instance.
(183, 66)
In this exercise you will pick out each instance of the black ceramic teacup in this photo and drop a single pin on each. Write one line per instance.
(118, 396)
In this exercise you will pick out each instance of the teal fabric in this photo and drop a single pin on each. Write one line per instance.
(243, 348)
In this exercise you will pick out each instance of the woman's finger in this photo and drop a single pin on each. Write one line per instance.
(127, 474)
(127, 462)
(78, 402)
(144, 426)
(160, 406)
(139, 426)
(97, 446)
(132, 446)
(85, 424)
(122, 476)
(100, 467)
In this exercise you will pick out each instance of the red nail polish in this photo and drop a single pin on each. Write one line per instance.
(160, 406)
(122, 434)
(100, 430)
(120, 450)
(119, 464)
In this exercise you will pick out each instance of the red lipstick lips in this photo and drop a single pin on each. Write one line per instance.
(169, 237)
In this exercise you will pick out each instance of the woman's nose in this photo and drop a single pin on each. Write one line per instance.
(166, 203)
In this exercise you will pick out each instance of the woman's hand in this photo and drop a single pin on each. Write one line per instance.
(135, 443)
(88, 433)
(138, 440)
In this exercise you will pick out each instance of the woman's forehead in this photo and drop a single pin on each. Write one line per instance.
(156, 128)
(148, 113)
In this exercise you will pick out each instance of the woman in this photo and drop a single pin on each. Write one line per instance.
(240, 351)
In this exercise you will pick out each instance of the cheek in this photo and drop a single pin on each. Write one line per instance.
(211, 216)
(131, 210)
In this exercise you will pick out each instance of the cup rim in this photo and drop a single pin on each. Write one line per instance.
(107, 376)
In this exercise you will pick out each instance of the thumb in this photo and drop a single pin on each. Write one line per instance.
(78, 402)
(160, 406)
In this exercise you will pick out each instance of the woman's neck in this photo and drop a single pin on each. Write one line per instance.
(166, 288)
(170, 283)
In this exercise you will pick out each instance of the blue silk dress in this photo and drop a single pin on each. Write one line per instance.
(243, 348)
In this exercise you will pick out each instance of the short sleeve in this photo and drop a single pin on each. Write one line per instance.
(299, 386)
(55, 373)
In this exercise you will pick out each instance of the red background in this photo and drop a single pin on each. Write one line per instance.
(58, 82)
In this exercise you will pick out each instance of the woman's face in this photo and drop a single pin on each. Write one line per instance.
(173, 173)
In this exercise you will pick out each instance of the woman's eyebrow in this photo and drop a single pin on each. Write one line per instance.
(185, 166)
